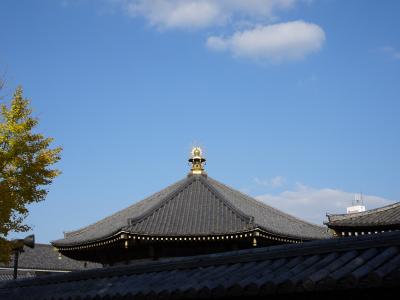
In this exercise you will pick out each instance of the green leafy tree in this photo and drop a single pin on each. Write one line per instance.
(25, 167)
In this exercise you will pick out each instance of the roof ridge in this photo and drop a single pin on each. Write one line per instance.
(363, 213)
(87, 227)
(228, 204)
(260, 203)
(132, 221)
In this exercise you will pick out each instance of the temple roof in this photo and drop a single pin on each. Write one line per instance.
(195, 206)
(362, 266)
(45, 258)
(383, 216)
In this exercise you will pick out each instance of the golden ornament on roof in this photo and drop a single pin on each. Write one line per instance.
(196, 152)
(197, 161)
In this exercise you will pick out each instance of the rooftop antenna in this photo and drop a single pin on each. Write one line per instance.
(358, 199)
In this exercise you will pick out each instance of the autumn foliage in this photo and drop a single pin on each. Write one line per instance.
(25, 167)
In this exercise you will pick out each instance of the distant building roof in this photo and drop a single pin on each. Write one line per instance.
(386, 217)
(9, 275)
(195, 206)
(363, 265)
(44, 257)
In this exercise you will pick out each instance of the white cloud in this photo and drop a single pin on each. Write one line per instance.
(194, 14)
(276, 43)
(312, 204)
(274, 182)
(176, 14)
(391, 51)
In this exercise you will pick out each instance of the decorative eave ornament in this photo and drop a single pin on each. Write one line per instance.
(197, 161)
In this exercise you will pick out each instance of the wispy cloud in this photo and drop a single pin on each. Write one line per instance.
(390, 51)
(274, 182)
(276, 43)
(177, 14)
(196, 14)
(312, 204)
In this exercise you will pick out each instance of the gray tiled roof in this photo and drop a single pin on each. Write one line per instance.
(196, 205)
(44, 257)
(9, 274)
(383, 216)
(353, 264)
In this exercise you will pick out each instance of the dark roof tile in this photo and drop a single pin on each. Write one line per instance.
(352, 263)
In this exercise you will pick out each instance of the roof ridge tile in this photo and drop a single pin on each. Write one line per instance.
(160, 204)
(227, 203)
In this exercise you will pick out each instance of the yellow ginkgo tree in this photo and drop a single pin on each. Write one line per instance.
(26, 158)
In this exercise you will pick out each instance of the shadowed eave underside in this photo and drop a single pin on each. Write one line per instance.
(195, 206)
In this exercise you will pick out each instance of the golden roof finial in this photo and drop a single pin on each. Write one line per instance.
(197, 161)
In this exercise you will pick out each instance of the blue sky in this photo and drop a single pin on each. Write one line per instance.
(294, 102)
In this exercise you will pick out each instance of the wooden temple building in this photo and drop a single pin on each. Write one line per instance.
(200, 239)
(382, 219)
(196, 215)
